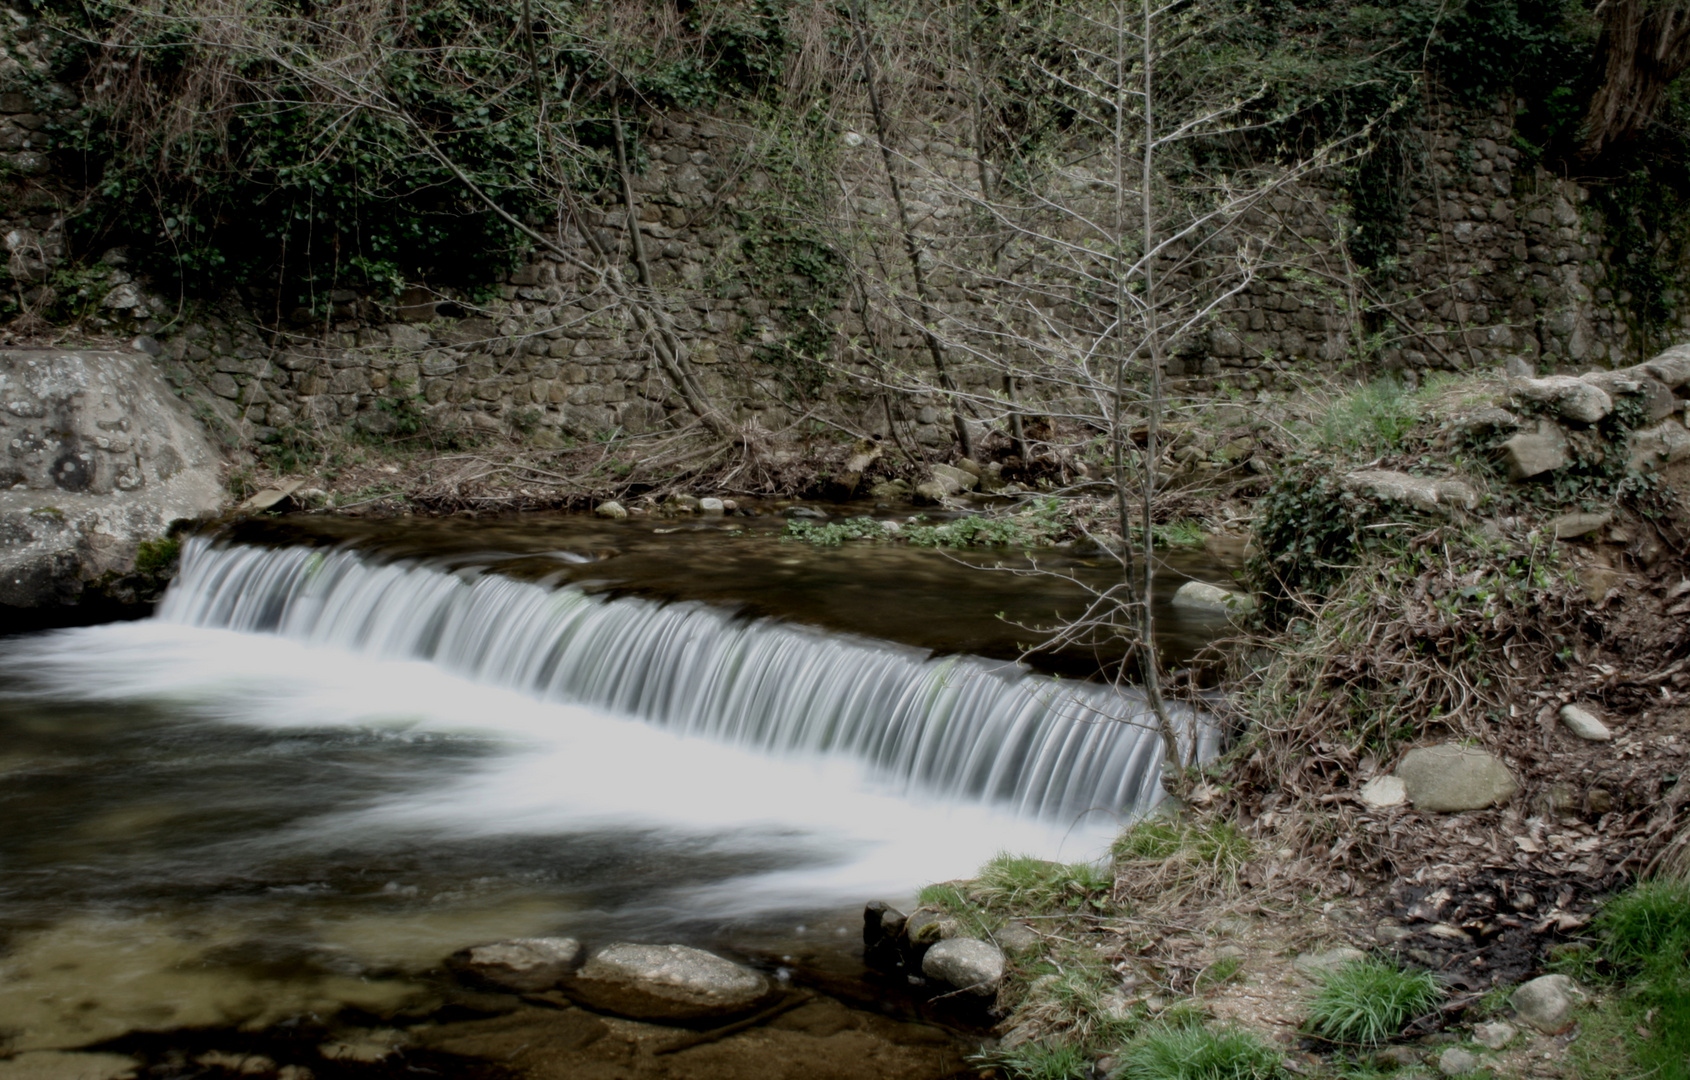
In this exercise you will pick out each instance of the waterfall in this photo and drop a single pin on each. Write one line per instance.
(955, 728)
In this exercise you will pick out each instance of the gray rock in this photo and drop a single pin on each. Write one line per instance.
(1494, 1035)
(1533, 453)
(522, 965)
(103, 455)
(711, 507)
(966, 964)
(1212, 599)
(1655, 396)
(890, 490)
(1316, 965)
(60, 1065)
(1571, 526)
(1018, 937)
(1450, 778)
(612, 509)
(1457, 1062)
(1667, 443)
(665, 982)
(1423, 493)
(1383, 791)
(1671, 367)
(1546, 1003)
(807, 512)
(955, 480)
(1570, 398)
(1584, 724)
(932, 491)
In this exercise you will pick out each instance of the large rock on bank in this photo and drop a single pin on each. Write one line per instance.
(99, 456)
(1450, 778)
(665, 982)
(967, 964)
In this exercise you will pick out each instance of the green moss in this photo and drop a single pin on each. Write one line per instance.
(152, 556)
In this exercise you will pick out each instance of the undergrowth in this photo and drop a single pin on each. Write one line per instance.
(1366, 1002)
(1641, 1026)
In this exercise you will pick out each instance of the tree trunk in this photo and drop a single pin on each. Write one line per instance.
(1646, 45)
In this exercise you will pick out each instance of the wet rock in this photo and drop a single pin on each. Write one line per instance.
(611, 509)
(1316, 965)
(522, 965)
(1572, 526)
(1667, 443)
(1457, 1062)
(809, 513)
(665, 982)
(966, 964)
(1420, 492)
(1584, 724)
(711, 507)
(883, 928)
(57, 1065)
(1450, 778)
(1212, 599)
(1534, 453)
(501, 1038)
(1570, 398)
(1547, 1002)
(1383, 791)
(1495, 1035)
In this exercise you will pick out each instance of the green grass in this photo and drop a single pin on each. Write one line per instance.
(1215, 848)
(1024, 883)
(1198, 1053)
(1366, 1002)
(1178, 534)
(1641, 1027)
(1370, 420)
(1042, 1061)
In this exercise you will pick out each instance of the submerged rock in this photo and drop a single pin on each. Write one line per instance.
(1546, 1003)
(1450, 778)
(1201, 596)
(523, 965)
(665, 982)
(965, 964)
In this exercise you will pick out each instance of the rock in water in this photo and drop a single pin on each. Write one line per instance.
(1584, 724)
(665, 982)
(103, 456)
(523, 965)
(1546, 1003)
(1201, 596)
(1450, 778)
(612, 509)
(966, 964)
(711, 507)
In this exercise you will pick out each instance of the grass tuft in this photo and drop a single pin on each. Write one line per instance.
(1198, 1053)
(1042, 1061)
(1643, 1027)
(1167, 859)
(1648, 928)
(1367, 1002)
(1028, 884)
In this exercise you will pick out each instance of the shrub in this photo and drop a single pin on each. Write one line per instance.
(1198, 1053)
(1368, 1001)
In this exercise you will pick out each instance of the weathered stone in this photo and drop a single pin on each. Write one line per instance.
(1018, 937)
(1667, 443)
(523, 965)
(1547, 1002)
(1383, 791)
(1212, 599)
(1671, 367)
(1572, 526)
(1534, 453)
(1584, 724)
(1450, 778)
(59, 1065)
(955, 480)
(1423, 493)
(665, 982)
(966, 964)
(711, 507)
(1318, 965)
(890, 490)
(933, 491)
(1655, 396)
(1457, 1062)
(1494, 1035)
(1570, 398)
(610, 508)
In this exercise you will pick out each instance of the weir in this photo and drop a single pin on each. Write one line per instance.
(951, 728)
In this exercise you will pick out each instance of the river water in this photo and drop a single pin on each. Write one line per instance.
(342, 750)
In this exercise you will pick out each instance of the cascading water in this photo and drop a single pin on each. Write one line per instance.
(957, 728)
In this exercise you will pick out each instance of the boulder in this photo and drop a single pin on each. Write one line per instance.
(1584, 724)
(1421, 492)
(1321, 964)
(955, 480)
(1655, 396)
(966, 964)
(1457, 1062)
(933, 491)
(890, 490)
(1212, 599)
(665, 982)
(1450, 778)
(521, 965)
(1571, 526)
(102, 456)
(1671, 367)
(1546, 1003)
(1667, 443)
(1383, 791)
(611, 509)
(1567, 397)
(1533, 453)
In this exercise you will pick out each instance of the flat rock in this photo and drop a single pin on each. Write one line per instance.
(522, 965)
(1383, 791)
(966, 964)
(1667, 443)
(1583, 723)
(1450, 778)
(665, 982)
(1494, 1035)
(1570, 398)
(1533, 453)
(57, 1065)
(1316, 965)
(1546, 1003)
(1212, 599)
(1421, 492)
(1571, 526)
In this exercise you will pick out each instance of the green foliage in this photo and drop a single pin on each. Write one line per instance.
(834, 533)
(1178, 534)
(1369, 421)
(1023, 883)
(1647, 929)
(153, 556)
(1198, 1053)
(1043, 1061)
(1366, 1002)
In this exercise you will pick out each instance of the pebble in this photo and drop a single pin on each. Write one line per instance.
(1583, 723)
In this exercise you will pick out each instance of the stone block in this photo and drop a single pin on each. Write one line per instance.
(1530, 454)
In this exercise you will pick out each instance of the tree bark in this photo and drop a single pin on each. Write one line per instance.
(1645, 45)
